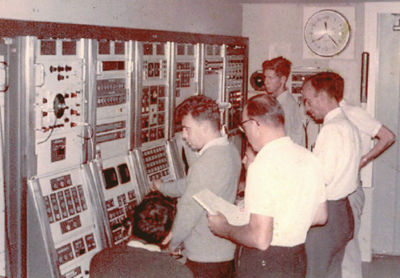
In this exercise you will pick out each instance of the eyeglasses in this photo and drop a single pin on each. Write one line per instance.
(241, 124)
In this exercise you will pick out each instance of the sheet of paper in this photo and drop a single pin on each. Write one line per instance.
(213, 203)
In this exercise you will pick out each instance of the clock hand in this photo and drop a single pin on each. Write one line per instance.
(330, 37)
(319, 38)
(326, 26)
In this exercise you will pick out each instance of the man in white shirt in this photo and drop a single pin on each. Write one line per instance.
(338, 148)
(284, 196)
(276, 72)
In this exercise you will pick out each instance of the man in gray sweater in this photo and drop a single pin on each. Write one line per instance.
(217, 169)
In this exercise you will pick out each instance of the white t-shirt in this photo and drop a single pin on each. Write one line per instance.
(285, 182)
(339, 150)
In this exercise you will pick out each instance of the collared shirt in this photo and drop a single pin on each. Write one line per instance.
(339, 150)
(285, 182)
(147, 246)
(220, 141)
(294, 117)
(366, 124)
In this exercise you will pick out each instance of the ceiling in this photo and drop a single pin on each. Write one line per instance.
(302, 1)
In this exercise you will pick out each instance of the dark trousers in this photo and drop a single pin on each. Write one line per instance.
(325, 245)
(275, 262)
(211, 270)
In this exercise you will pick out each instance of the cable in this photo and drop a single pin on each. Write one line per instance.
(90, 131)
(51, 132)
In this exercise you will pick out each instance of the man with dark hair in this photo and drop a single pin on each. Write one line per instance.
(338, 148)
(142, 257)
(276, 72)
(217, 168)
(284, 196)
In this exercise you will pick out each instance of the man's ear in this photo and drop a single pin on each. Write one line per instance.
(205, 127)
(283, 80)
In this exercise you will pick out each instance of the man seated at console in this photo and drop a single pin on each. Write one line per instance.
(142, 256)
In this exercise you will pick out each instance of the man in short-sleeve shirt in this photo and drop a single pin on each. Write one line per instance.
(338, 148)
(284, 195)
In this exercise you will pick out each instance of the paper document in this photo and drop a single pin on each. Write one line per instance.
(212, 203)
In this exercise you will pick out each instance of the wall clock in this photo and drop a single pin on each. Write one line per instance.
(327, 33)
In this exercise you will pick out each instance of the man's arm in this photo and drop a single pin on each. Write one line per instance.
(171, 189)
(256, 234)
(385, 139)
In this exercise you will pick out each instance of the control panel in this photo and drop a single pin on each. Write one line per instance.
(234, 85)
(159, 162)
(213, 67)
(119, 192)
(67, 216)
(113, 97)
(154, 95)
(297, 77)
(59, 104)
(186, 74)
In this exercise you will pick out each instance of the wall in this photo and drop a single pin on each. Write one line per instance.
(386, 213)
(277, 29)
(206, 16)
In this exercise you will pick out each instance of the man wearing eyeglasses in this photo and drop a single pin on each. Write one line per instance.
(284, 196)
(276, 73)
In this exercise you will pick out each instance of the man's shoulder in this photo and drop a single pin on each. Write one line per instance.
(118, 260)
(340, 127)
(286, 99)
(225, 150)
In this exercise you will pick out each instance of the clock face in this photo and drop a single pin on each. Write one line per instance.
(327, 33)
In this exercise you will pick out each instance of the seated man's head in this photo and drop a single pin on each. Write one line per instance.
(200, 120)
(153, 217)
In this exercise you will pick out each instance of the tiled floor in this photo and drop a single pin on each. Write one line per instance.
(382, 267)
